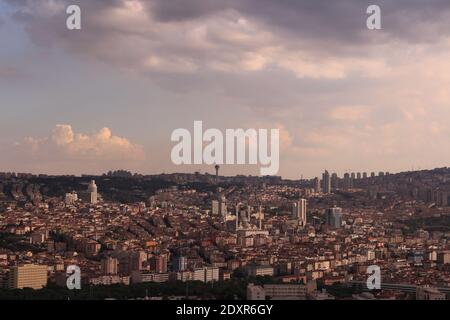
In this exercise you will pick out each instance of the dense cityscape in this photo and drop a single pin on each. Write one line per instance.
(204, 159)
(206, 236)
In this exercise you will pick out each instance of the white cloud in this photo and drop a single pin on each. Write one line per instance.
(378, 104)
(63, 134)
(89, 152)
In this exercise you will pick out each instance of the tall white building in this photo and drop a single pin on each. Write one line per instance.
(92, 190)
(299, 211)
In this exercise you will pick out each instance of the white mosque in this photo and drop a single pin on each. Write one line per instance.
(244, 227)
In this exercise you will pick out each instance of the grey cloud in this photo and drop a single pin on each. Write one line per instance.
(343, 20)
(179, 10)
(322, 28)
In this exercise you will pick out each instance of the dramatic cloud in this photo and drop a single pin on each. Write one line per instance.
(322, 20)
(88, 152)
(319, 40)
(344, 97)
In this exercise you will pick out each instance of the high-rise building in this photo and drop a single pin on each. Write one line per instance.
(110, 266)
(92, 190)
(219, 206)
(347, 181)
(299, 211)
(316, 184)
(326, 182)
(90, 195)
(159, 263)
(334, 182)
(179, 263)
(28, 276)
(333, 217)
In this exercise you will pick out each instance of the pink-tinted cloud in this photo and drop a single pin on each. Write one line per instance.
(86, 152)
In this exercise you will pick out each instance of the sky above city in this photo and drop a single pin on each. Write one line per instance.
(108, 96)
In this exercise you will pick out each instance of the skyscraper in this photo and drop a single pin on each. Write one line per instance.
(158, 263)
(90, 195)
(347, 181)
(110, 266)
(92, 190)
(333, 217)
(326, 182)
(299, 211)
(334, 182)
(179, 263)
(316, 184)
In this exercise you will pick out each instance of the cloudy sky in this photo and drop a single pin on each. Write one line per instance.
(109, 96)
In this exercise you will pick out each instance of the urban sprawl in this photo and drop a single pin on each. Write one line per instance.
(279, 239)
